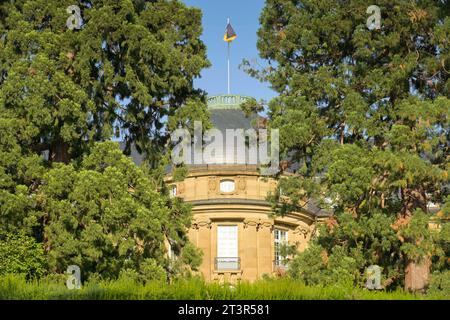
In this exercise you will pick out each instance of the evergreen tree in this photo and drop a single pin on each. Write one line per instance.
(129, 67)
(365, 114)
(125, 70)
(107, 216)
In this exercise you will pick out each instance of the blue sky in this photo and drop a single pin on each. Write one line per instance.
(244, 15)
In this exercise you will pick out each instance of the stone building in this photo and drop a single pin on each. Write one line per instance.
(233, 222)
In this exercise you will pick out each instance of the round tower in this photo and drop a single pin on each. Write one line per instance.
(233, 223)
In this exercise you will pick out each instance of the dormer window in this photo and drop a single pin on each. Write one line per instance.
(227, 186)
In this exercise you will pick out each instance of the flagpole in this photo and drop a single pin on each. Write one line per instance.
(229, 91)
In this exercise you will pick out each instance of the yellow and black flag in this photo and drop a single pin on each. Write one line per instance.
(230, 35)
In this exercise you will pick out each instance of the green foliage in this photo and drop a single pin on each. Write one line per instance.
(149, 271)
(127, 72)
(365, 115)
(14, 287)
(20, 254)
(106, 215)
(129, 67)
(424, 239)
(440, 283)
(191, 256)
(339, 269)
(251, 106)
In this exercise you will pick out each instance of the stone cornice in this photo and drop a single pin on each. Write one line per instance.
(221, 204)
(230, 201)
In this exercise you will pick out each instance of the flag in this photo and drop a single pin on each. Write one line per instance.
(230, 35)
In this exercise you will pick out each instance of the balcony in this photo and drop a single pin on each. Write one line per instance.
(227, 263)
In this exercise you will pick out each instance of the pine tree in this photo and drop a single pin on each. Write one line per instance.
(121, 68)
(106, 216)
(130, 65)
(365, 114)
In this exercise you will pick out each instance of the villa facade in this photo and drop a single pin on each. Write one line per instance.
(233, 223)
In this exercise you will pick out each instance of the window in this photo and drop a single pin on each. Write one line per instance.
(280, 239)
(227, 248)
(173, 191)
(171, 252)
(227, 186)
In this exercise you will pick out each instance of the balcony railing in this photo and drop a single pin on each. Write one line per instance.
(226, 101)
(228, 263)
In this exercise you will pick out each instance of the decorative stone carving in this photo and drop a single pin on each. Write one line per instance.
(212, 185)
(250, 223)
(265, 224)
(242, 184)
(302, 229)
(259, 224)
(196, 224)
(231, 277)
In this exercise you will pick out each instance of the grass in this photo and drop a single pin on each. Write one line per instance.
(14, 287)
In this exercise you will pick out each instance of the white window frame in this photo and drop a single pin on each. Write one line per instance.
(227, 247)
(227, 186)
(280, 237)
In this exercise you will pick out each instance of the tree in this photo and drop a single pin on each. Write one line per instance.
(127, 72)
(365, 115)
(130, 65)
(106, 216)
(21, 254)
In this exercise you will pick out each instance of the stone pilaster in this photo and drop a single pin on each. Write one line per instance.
(204, 236)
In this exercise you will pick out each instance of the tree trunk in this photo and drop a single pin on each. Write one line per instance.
(59, 152)
(417, 274)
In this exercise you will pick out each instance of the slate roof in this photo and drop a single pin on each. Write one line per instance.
(231, 119)
(312, 207)
(137, 158)
(226, 113)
